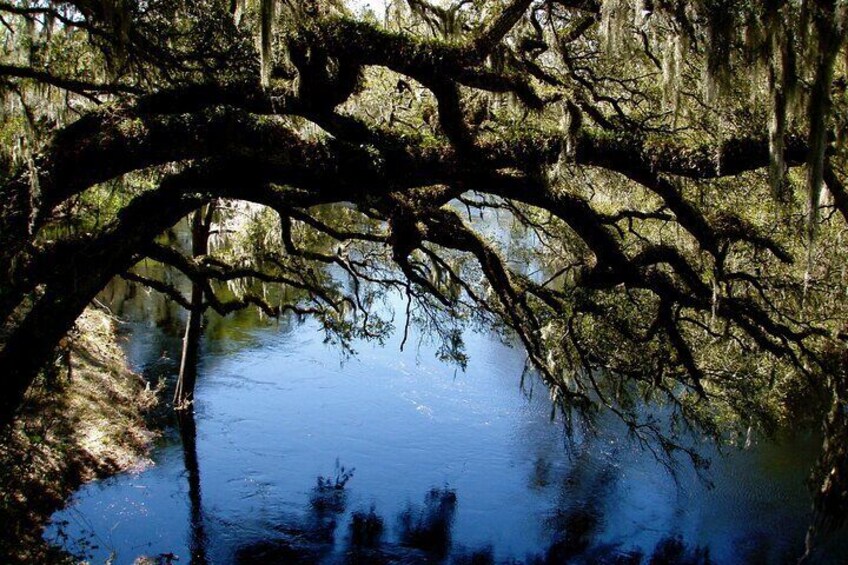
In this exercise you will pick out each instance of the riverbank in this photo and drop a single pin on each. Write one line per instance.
(84, 419)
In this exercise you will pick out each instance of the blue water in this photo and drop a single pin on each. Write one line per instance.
(457, 467)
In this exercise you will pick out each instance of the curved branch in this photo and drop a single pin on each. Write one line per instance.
(81, 87)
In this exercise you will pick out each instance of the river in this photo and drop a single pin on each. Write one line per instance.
(298, 454)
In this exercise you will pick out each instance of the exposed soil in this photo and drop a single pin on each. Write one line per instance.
(84, 419)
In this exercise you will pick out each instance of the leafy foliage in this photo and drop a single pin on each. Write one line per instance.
(648, 196)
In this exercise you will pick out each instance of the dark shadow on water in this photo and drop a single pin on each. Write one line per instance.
(672, 551)
(578, 517)
(366, 529)
(188, 435)
(483, 556)
(310, 539)
(429, 528)
(423, 534)
(576, 530)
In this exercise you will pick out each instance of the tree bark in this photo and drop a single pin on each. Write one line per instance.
(830, 478)
(72, 281)
(184, 393)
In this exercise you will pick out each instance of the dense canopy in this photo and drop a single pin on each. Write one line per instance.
(671, 175)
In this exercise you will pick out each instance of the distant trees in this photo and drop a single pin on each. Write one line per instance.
(674, 172)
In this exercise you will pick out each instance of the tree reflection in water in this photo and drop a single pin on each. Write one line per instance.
(429, 528)
(188, 437)
(424, 535)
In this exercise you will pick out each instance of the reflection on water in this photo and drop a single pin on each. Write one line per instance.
(296, 455)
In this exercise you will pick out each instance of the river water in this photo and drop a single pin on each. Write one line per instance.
(297, 454)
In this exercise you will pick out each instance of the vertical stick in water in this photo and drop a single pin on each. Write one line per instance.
(184, 393)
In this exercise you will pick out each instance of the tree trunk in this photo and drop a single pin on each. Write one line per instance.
(33, 346)
(70, 281)
(830, 480)
(184, 393)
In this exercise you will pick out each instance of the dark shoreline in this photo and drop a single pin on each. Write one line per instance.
(88, 418)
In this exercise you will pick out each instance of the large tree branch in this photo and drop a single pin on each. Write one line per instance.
(82, 87)
(493, 33)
